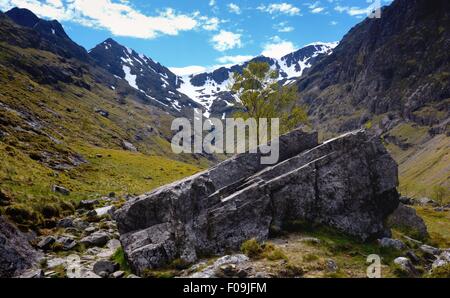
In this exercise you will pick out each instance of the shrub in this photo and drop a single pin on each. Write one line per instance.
(273, 253)
(251, 248)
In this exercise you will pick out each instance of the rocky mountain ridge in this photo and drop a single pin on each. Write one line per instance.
(211, 90)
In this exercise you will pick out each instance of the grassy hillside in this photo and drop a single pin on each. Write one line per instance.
(58, 133)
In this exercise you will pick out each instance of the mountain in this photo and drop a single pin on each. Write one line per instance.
(211, 89)
(392, 75)
(156, 82)
(62, 126)
(52, 36)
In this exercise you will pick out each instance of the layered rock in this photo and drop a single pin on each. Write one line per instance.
(16, 254)
(348, 183)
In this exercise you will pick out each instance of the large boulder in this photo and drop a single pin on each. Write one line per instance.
(348, 183)
(16, 254)
(406, 220)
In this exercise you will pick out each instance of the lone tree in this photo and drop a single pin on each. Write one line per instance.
(262, 96)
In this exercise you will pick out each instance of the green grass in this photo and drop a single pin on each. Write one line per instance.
(438, 224)
(45, 125)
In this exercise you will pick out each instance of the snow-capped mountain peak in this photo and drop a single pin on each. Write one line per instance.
(211, 89)
(152, 80)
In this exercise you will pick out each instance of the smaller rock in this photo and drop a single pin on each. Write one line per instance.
(132, 276)
(33, 274)
(406, 266)
(62, 190)
(90, 230)
(442, 260)
(413, 257)
(67, 243)
(406, 200)
(430, 250)
(102, 112)
(80, 224)
(105, 210)
(95, 239)
(105, 266)
(118, 274)
(128, 146)
(65, 223)
(405, 219)
(88, 204)
(426, 201)
(46, 243)
(332, 266)
(392, 243)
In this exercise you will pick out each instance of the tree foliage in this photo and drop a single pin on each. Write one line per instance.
(261, 96)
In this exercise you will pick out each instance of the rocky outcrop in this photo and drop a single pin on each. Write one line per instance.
(405, 219)
(348, 183)
(16, 254)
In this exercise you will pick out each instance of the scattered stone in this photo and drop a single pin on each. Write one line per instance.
(118, 274)
(96, 239)
(33, 274)
(88, 204)
(211, 271)
(413, 257)
(332, 266)
(65, 223)
(67, 243)
(392, 243)
(442, 260)
(80, 224)
(104, 266)
(406, 220)
(46, 243)
(406, 266)
(132, 276)
(105, 210)
(430, 250)
(61, 190)
(90, 230)
(426, 201)
(128, 146)
(406, 200)
(102, 112)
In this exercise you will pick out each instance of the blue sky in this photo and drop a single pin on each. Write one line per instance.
(202, 34)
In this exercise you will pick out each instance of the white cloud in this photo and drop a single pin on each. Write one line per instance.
(234, 59)
(210, 24)
(226, 40)
(234, 8)
(283, 27)
(317, 10)
(353, 11)
(278, 48)
(280, 8)
(118, 17)
(187, 70)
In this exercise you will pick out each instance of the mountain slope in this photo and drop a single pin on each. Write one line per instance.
(154, 81)
(62, 124)
(51, 34)
(391, 74)
(211, 89)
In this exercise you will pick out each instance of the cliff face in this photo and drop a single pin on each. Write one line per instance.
(348, 183)
(399, 63)
(392, 75)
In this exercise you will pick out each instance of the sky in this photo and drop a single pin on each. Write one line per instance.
(196, 35)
